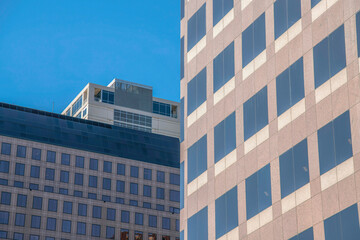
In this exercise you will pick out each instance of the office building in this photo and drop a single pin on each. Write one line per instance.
(126, 104)
(68, 178)
(270, 141)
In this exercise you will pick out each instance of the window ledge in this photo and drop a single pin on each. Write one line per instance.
(259, 220)
(226, 20)
(224, 90)
(287, 36)
(254, 65)
(337, 174)
(256, 139)
(196, 49)
(195, 115)
(225, 162)
(296, 198)
(330, 86)
(245, 3)
(320, 8)
(232, 235)
(291, 114)
(197, 183)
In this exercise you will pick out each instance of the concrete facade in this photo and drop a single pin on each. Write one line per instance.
(325, 194)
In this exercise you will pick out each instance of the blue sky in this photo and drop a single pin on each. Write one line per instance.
(50, 49)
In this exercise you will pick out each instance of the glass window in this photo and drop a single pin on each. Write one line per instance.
(314, 3)
(48, 189)
(120, 186)
(82, 209)
(182, 115)
(147, 191)
(220, 9)
(51, 224)
(197, 158)
(107, 166)
(21, 151)
(182, 181)
(93, 181)
(35, 172)
(66, 226)
(119, 200)
(224, 137)
(125, 216)
(79, 162)
(3, 182)
(134, 172)
(305, 235)
(19, 236)
(160, 193)
(51, 156)
(95, 230)
(93, 164)
(334, 142)
(175, 179)
(182, 53)
(133, 203)
(196, 91)
(174, 210)
(81, 228)
(226, 212)
(286, 14)
(160, 207)
(20, 219)
(4, 166)
(65, 159)
(3, 234)
(78, 193)
(92, 195)
(96, 212)
(34, 237)
(50, 174)
(253, 40)
(64, 176)
(290, 87)
(223, 67)
(152, 221)
(35, 221)
(147, 174)
(121, 169)
(294, 168)
(134, 188)
(258, 192)
(36, 154)
(18, 184)
(111, 214)
(110, 232)
(160, 176)
(358, 32)
(21, 200)
(37, 203)
(106, 198)
(343, 225)
(4, 217)
(67, 207)
(329, 56)
(52, 205)
(107, 183)
(79, 179)
(33, 186)
(166, 223)
(139, 218)
(196, 27)
(5, 148)
(19, 169)
(174, 196)
(64, 191)
(255, 113)
(147, 205)
(197, 225)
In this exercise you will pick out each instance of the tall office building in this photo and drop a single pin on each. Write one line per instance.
(270, 139)
(67, 178)
(126, 104)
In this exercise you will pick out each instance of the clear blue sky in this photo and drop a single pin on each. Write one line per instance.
(50, 49)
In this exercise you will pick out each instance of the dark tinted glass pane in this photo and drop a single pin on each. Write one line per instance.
(120, 169)
(217, 11)
(280, 17)
(182, 9)
(191, 93)
(321, 62)
(286, 173)
(201, 87)
(51, 156)
(219, 141)
(264, 186)
(248, 45)
(192, 162)
(350, 223)
(202, 156)
(301, 164)
(231, 209)
(283, 101)
(218, 65)
(182, 115)
(358, 32)
(201, 23)
(261, 109)
(294, 11)
(297, 81)
(229, 65)
(259, 35)
(191, 32)
(182, 185)
(182, 49)
(252, 196)
(249, 118)
(220, 216)
(230, 133)
(326, 148)
(228, 5)
(342, 133)
(5, 148)
(337, 50)
(332, 228)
